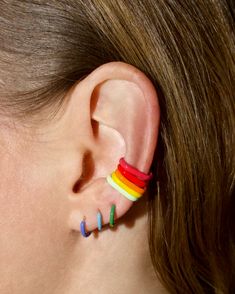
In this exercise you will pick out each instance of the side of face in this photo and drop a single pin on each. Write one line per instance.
(34, 242)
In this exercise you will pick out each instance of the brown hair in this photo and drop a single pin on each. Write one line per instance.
(187, 50)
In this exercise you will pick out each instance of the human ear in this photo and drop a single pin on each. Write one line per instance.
(119, 113)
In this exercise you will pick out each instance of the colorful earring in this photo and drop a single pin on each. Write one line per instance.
(111, 218)
(128, 180)
(83, 228)
(99, 220)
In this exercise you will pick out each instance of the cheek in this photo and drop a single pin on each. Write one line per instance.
(34, 237)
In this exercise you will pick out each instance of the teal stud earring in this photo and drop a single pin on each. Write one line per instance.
(99, 220)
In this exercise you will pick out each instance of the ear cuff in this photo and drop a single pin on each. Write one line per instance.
(127, 180)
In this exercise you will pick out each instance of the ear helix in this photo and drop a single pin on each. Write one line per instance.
(127, 180)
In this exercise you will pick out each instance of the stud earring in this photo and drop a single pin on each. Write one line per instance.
(111, 218)
(83, 228)
(99, 220)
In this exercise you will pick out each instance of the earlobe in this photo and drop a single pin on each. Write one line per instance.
(123, 103)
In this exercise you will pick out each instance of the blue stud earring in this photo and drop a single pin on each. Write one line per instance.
(99, 220)
(83, 228)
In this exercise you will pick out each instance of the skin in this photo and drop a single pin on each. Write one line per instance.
(41, 248)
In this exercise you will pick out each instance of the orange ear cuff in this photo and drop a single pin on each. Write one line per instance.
(127, 180)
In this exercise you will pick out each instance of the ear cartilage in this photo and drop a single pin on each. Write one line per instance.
(111, 218)
(128, 180)
(83, 228)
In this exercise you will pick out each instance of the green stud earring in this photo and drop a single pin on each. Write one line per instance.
(111, 218)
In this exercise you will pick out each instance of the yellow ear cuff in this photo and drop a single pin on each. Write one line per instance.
(119, 189)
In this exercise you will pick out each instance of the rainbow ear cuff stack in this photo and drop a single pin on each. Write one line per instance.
(127, 180)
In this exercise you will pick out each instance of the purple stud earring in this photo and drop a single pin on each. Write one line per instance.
(83, 228)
